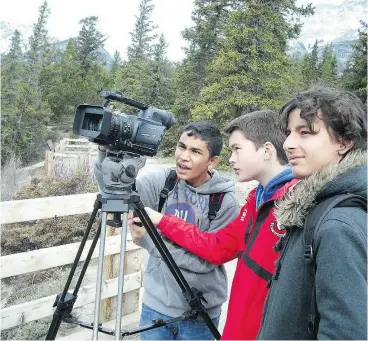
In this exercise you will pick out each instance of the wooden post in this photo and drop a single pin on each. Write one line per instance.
(133, 261)
(110, 270)
(49, 163)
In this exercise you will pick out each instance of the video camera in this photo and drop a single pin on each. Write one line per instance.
(140, 134)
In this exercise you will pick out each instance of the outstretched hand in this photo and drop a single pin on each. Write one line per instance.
(154, 216)
(136, 231)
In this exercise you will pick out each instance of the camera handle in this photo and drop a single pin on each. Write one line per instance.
(119, 204)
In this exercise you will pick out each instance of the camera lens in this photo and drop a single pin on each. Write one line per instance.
(92, 122)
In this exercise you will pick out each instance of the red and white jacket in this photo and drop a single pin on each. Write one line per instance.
(250, 237)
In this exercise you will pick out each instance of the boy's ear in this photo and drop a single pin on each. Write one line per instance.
(213, 162)
(269, 148)
(345, 146)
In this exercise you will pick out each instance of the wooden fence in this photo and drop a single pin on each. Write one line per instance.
(32, 261)
(69, 154)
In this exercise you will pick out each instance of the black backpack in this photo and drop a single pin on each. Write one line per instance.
(312, 223)
(214, 203)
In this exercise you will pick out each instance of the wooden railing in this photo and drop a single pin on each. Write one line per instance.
(32, 261)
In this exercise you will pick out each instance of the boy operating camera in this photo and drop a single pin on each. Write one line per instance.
(195, 183)
(256, 141)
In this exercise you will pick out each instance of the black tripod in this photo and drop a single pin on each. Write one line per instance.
(119, 204)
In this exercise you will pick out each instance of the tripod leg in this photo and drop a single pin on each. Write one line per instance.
(99, 276)
(124, 229)
(193, 299)
(61, 305)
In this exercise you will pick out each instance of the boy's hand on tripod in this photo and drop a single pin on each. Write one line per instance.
(136, 231)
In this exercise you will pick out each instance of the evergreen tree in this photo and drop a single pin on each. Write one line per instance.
(143, 34)
(12, 89)
(89, 41)
(355, 74)
(134, 76)
(39, 40)
(116, 63)
(328, 70)
(25, 114)
(161, 92)
(251, 69)
(310, 67)
(66, 84)
(209, 17)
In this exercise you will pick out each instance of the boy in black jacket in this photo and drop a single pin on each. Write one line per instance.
(326, 147)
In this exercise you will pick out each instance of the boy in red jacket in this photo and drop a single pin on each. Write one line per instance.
(256, 142)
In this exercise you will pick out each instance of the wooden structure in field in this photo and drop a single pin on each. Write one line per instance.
(69, 154)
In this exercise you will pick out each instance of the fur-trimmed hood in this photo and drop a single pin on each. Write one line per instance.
(348, 176)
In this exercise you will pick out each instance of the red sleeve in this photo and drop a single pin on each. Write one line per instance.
(217, 248)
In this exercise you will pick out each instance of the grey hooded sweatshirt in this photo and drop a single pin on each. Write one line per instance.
(161, 291)
(340, 245)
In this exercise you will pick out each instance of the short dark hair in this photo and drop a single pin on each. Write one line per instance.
(261, 127)
(207, 132)
(344, 113)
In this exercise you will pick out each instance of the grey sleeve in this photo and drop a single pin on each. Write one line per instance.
(228, 212)
(341, 281)
(97, 168)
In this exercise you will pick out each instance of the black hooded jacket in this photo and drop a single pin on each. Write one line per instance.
(341, 260)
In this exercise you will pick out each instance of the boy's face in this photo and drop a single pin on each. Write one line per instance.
(247, 162)
(309, 151)
(193, 160)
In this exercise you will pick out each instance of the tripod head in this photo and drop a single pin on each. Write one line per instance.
(120, 169)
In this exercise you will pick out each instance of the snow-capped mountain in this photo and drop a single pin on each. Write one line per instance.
(331, 23)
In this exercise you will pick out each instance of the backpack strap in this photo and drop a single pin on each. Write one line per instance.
(214, 204)
(313, 221)
(170, 182)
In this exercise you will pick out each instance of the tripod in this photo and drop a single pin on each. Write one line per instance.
(118, 202)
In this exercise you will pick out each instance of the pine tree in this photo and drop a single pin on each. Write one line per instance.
(25, 113)
(161, 92)
(116, 63)
(355, 74)
(310, 67)
(89, 41)
(143, 34)
(209, 17)
(12, 89)
(328, 70)
(134, 76)
(251, 69)
(39, 40)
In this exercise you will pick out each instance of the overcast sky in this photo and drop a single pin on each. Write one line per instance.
(116, 19)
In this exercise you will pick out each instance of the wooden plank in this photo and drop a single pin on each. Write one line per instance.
(133, 263)
(68, 140)
(29, 311)
(42, 208)
(25, 262)
(127, 322)
(82, 147)
(110, 270)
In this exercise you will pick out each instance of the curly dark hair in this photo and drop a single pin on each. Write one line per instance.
(344, 114)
